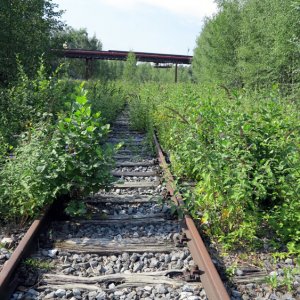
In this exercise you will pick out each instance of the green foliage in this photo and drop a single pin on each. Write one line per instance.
(148, 73)
(4, 147)
(35, 263)
(79, 134)
(71, 38)
(30, 101)
(215, 57)
(62, 155)
(253, 43)
(268, 52)
(23, 189)
(107, 97)
(230, 271)
(129, 72)
(76, 208)
(25, 29)
(113, 70)
(286, 280)
(252, 145)
(139, 112)
(272, 280)
(241, 149)
(75, 39)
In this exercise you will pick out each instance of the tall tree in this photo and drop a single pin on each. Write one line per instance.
(129, 71)
(78, 39)
(215, 57)
(269, 33)
(144, 72)
(25, 30)
(251, 42)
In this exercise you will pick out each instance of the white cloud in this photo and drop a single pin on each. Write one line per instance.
(189, 8)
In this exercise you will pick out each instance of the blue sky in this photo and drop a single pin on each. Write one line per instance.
(166, 26)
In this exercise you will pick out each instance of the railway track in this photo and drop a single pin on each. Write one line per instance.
(128, 245)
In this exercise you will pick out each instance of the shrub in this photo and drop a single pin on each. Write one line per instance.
(242, 150)
(69, 157)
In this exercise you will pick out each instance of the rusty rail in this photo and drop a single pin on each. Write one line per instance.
(209, 276)
(7, 280)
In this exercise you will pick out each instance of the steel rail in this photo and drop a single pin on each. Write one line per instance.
(7, 282)
(210, 278)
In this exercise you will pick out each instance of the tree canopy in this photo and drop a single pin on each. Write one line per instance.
(72, 38)
(26, 28)
(250, 42)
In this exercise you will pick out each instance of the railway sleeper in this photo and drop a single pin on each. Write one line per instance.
(128, 247)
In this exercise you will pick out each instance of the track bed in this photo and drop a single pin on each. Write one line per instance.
(127, 247)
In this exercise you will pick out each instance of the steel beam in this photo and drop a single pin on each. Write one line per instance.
(122, 55)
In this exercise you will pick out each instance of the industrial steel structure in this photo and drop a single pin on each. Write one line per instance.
(156, 58)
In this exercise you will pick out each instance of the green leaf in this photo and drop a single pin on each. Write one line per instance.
(81, 100)
(91, 128)
(68, 120)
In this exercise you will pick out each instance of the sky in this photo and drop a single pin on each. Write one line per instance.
(163, 26)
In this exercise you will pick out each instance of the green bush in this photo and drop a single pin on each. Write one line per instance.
(250, 43)
(69, 157)
(79, 136)
(27, 102)
(107, 97)
(23, 188)
(242, 150)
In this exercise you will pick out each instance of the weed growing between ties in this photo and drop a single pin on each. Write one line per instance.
(241, 149)
(36, 264)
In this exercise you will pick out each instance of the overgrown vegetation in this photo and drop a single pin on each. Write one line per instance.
(53, 142)
(236, 135)
(26, 29)
(242, 150)
(251, 43)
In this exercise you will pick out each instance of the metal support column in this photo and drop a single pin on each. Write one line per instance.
(87, 69)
